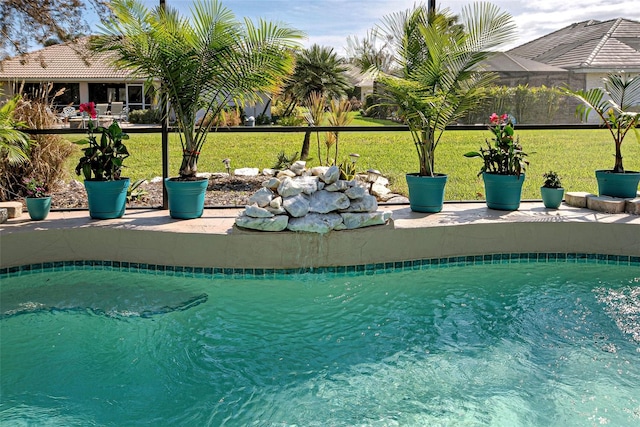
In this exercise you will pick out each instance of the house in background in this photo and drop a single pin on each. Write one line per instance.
(85, 77)
(588, 50)
(577, 56)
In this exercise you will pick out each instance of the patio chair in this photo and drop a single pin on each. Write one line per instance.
(101, 109)
(68, 112)
(119, 112)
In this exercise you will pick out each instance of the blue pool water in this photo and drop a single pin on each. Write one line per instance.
(500, 345)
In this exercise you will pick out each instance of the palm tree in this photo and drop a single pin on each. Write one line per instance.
(437, 78)
(203, 63)
(616, 104)
(318, 71)
(14, 144)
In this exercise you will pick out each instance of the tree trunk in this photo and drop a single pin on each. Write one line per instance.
(304, 152)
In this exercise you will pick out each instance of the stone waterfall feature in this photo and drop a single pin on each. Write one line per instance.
(314, 200)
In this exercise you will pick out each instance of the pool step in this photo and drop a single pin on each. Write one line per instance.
(603, 203)
(14, 209)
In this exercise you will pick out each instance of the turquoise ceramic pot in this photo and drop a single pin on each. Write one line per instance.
(186, 198)
(613, 184)
(503, 191)
(551, 197)
(107, 199)
(38, 207)
(426, 193)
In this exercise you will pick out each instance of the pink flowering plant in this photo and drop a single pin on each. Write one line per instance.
(35, 188)
(90, 109)
(503, 155)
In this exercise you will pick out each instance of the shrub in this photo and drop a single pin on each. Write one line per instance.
(292, 120)
(47, 153)
(538, 105)
(226, 118)
(151, 116)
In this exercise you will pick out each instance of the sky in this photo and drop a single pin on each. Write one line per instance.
(330, 22)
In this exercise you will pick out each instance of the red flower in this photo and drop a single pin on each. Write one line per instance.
(493, 118)
(89, 108)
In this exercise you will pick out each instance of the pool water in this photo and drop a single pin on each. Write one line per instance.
(501, 345)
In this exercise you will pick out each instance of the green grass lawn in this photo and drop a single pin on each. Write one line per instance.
(574, 154)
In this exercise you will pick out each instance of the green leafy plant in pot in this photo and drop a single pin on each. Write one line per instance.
(437, 79)
(617, 104)
(504, 164)
(101, 165)
(551, 191)
(202, 65)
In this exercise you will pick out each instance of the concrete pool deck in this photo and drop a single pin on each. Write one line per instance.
(150, 236)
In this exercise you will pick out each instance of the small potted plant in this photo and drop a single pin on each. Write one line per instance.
(551, 191)
(504, 164)
(616, 105)
(38, 202)
(101, 165)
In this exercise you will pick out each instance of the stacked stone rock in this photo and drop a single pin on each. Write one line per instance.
(314, 200)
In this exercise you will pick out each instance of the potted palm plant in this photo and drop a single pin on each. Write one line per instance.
(202, 64)
(438, 79)
(551, 191)
(504, 164)
(617, 105)
(101, 165)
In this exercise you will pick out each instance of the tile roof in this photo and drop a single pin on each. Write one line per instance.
(508, 62)
(63, 62)
(611, 45)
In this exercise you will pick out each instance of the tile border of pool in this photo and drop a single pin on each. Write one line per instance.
(361, 269)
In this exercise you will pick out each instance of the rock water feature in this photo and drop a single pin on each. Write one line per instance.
(314, 200)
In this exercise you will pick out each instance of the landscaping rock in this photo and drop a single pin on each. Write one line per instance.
(276, 223)
(315, 223)
(289, 187)
(314, 201)
(358, 220)
(255, 211)
(4, 215)
(324, 201)
(298, 167)
(633, 206)
(367, 203)
(331, 175)
(14, 209)
(262, 197)
(297, 206)
(577, 199)
(606, 204)
(247, 172)
(271, 184)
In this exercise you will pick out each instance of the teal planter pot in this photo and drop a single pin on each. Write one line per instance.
(107, 199)
(551, 197)
(613, 184)
(38, 207)
(503, 192)
(426, 193)
(186, 198)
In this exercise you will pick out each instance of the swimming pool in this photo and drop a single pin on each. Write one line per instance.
(523, 343)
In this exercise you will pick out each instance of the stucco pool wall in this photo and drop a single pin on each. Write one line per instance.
(460, 230)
